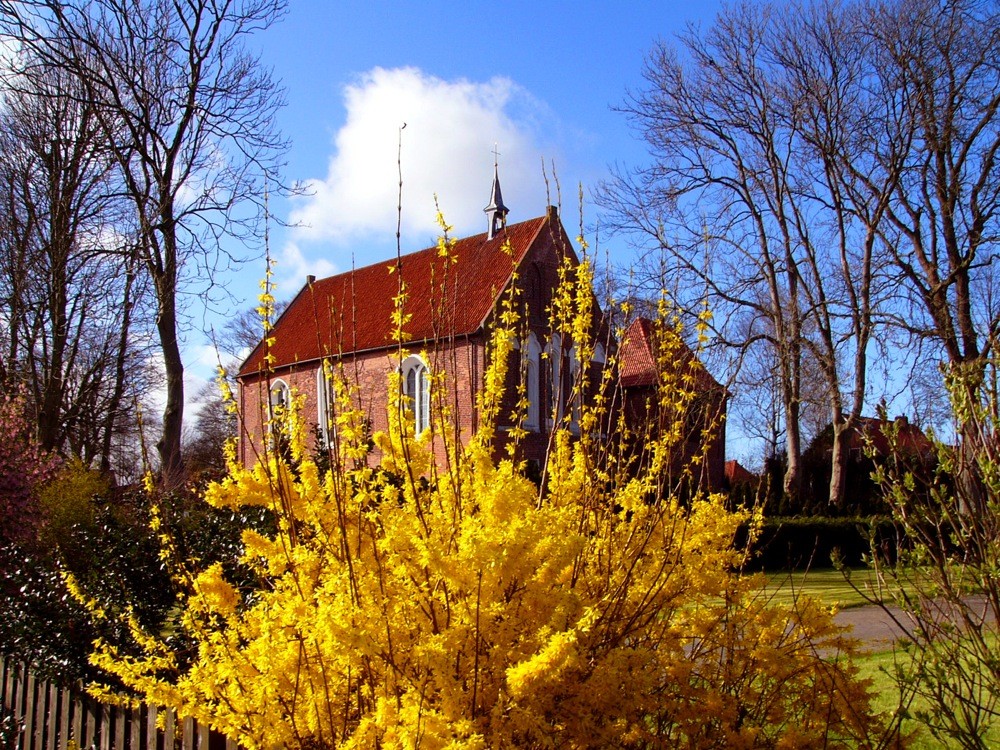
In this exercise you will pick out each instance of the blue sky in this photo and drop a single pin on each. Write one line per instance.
(537, 79)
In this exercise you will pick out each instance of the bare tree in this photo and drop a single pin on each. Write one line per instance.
(937, 69)
(843, 190)
(749, 199)
(187, 113)
(946, 58)
(69, 334)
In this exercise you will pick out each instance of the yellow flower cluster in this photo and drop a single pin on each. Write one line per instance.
(411, 604)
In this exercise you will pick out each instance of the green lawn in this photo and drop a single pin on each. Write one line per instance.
(880, 668)
(829, 586)
(833, 588)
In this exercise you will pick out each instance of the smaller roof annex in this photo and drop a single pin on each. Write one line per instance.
(352, 312)
(637, 364)
(736, 473)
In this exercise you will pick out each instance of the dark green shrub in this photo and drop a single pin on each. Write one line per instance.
(798, 542)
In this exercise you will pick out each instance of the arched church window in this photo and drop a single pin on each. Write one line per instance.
(417, 390)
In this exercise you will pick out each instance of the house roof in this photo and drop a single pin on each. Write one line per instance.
(637, 364)
(884, 437)
(907, 437)
(352, 311)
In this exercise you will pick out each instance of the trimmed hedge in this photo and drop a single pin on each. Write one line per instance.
(799, 542)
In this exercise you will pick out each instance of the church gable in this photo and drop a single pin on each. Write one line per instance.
(640, 367)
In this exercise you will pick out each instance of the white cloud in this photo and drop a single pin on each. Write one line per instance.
(201, 366)
(451, 129)
(294, 266)
(10, 52)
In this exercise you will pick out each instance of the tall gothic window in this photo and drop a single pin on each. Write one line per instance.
(417, 390)
(324, 416)
(279, 402)
(575, 388)
(532, 383)
(554, 370)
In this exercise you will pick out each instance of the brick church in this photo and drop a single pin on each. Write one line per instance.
(451, 303)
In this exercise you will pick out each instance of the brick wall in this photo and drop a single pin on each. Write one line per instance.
(704, 421)
(461, 361)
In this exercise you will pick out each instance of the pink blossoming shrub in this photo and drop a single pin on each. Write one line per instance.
(24, 468)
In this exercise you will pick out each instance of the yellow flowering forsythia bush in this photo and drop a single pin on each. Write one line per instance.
(411, 604)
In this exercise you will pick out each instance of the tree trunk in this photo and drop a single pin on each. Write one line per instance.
(50, 423)
(967, 385)
(793, 471)
(169, 444)
(793, 449)
(121, 360)
(838, 461)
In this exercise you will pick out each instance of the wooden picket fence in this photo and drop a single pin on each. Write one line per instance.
(48, 717)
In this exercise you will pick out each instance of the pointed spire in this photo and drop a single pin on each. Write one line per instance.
(496, 212)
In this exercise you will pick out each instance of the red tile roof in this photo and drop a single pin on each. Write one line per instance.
(352, 312)
(637, 358)
(883, 437)
(636, 363)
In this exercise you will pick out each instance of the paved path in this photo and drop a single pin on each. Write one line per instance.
(871, 624)
(874, 626)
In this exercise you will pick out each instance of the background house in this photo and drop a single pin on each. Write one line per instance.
(738, 476)
(870, 442)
